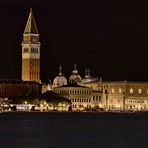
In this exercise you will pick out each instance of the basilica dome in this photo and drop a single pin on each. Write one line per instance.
(88, 78)
(74, 77)
(59, 80)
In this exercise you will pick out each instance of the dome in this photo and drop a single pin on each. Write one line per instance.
(60, 79)
(74, 77)
(91, 79)
(88, 78)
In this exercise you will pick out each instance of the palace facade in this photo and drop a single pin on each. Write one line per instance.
(122, 95)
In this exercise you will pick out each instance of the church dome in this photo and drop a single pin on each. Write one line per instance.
(60, 79)
(74, 77)
(87, 78)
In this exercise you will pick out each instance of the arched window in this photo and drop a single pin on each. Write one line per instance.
(113, 90)
(139, 91)
(131, 91)
(120, 90)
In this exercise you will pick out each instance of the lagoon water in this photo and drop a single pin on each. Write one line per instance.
(73, 130)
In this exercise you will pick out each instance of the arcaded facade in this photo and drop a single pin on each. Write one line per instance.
(81, 97)
(122, 95)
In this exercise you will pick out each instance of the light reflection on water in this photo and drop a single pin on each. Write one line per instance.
(72, 130)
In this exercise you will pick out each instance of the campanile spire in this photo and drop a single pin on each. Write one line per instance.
(31, 26)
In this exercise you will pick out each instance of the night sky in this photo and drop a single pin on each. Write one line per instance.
(109, 37)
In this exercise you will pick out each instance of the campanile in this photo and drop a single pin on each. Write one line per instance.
(31, 51)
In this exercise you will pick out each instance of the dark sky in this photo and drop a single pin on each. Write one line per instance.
(109, 37)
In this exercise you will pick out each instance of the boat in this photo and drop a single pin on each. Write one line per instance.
(23, 107)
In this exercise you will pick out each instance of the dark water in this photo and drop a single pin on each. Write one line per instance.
(73, 130)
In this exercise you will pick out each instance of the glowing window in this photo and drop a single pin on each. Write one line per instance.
(113, 90)
(139, 91)
(131, 91)
(120, 90)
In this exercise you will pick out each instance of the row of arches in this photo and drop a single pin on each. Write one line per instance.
(131, 91)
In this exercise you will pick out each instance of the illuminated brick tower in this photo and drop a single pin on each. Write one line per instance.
(31, 51)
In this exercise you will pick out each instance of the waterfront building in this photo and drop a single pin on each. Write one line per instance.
(82, 98)
(31, 51)
(18, 88)
(91, 92)
(122, 95)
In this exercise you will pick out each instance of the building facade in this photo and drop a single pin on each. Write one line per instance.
(31, 51)
(18, 88)
(81, 97)
(122, 95)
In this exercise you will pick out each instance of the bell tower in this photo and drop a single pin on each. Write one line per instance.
(31, 51)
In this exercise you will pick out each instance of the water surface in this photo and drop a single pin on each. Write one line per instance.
(73, 130)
